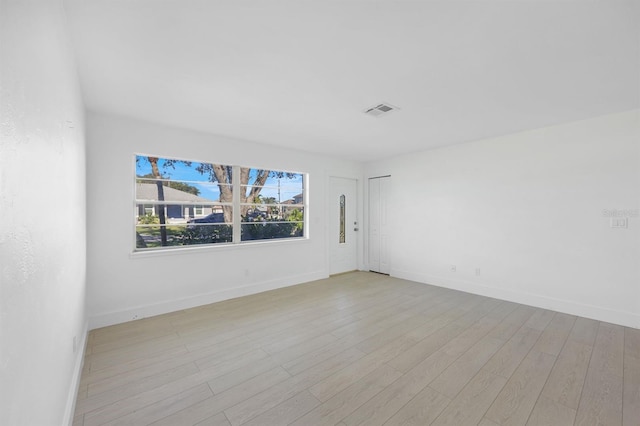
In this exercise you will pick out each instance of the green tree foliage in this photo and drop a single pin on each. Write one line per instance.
(296, 216)
(149, 219)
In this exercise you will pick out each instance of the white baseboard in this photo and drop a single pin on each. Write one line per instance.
(75, 379)
(139, 312)
(627, 319)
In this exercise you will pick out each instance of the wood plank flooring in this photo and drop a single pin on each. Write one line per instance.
(361, 349)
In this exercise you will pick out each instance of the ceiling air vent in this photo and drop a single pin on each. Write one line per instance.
(380, 109)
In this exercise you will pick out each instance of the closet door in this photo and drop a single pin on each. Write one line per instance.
(378, 225)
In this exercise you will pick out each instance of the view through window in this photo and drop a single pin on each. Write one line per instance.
(186, 203)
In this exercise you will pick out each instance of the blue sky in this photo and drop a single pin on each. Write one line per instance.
(181, 172)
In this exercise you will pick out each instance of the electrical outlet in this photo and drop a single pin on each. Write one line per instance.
(478, 271)
(453, 268)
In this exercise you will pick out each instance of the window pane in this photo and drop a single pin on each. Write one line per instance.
(179, 191)
(149, 214)
(208, 233)
(260, 212)
(149, 167)
(150, 236)
(281, 222)
(272, 213)
(343, 204)
(182, 180)
(272, 204)
(272, 186)
(211, 214)
(271, 230)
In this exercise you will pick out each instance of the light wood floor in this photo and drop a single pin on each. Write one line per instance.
(362, 348)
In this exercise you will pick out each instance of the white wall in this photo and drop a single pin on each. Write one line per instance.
(42, 217)
(123, 286)
(527, 209)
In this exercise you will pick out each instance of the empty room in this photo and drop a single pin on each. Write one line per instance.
(301, 212)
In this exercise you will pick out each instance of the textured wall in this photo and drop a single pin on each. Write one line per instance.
(42, 216)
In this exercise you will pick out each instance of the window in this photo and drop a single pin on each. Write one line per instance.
(185, 203)
(342, 233)
(271, 204)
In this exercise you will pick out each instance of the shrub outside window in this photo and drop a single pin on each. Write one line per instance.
(185, 203)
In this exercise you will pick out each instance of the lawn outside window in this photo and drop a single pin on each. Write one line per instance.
(182, 203)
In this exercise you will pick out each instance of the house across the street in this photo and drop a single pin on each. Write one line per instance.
(180, 205)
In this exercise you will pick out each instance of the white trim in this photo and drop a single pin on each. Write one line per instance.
(72, 395)
(628, 319)
(117, 317)
(235, 206)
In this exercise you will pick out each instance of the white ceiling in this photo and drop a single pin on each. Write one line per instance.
(299, 73)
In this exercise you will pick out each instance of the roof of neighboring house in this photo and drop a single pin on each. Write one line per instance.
(149, 192)
(295, 200)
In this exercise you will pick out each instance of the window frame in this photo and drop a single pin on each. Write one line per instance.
(236, 206)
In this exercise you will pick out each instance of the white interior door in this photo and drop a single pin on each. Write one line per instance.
(343, 225)
(379, 225)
